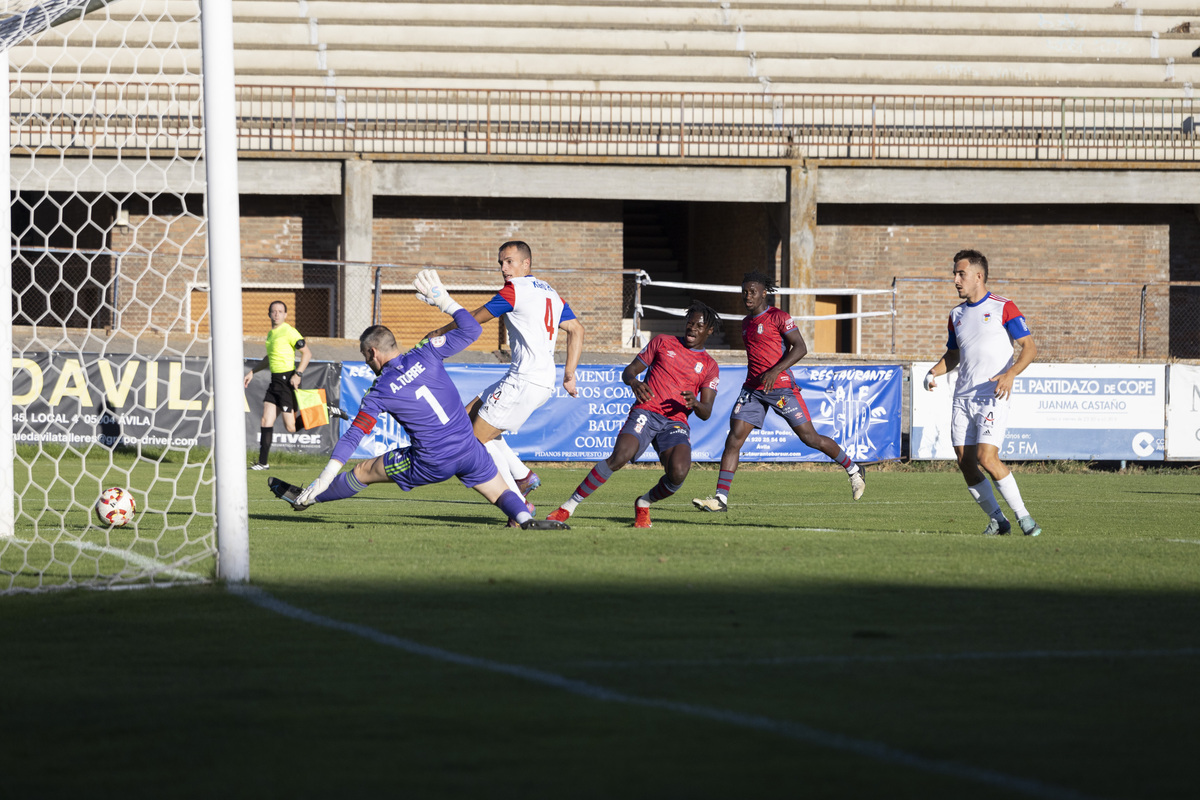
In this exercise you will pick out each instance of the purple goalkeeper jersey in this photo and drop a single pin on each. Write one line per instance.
(417, 392)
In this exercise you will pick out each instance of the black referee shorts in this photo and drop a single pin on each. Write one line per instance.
(280, 391)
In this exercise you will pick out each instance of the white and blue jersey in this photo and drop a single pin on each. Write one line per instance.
(983, 333)
(532, 312)
(417, 392)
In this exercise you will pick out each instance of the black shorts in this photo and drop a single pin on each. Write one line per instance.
(280, 393)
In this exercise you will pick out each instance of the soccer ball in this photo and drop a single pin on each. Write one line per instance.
(116, 507)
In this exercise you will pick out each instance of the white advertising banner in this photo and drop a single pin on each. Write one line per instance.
(1108, 412)
(1183, 413)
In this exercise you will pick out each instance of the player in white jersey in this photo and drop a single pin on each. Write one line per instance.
(533, 315)
(981, 334)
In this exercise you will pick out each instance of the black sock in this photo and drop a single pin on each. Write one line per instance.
(264, 444)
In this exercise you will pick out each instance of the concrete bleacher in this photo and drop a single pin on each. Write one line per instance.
(980, 47)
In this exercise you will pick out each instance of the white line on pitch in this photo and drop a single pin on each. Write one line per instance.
(144, 562)
(792, 730)
(1017, 655)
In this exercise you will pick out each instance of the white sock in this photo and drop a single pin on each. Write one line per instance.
(569, 505)
(1012, 495)
(497, 454)
(515, 465)
(982, 492)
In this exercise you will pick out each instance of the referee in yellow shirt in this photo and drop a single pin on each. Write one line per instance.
(283, 342)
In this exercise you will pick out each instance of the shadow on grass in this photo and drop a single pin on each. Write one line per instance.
(1020, 682)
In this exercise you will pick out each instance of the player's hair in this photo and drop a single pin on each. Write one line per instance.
(522, 248)
(974, 258)
(760, 277)
(378, 337)
(273, 302)
(709, 316)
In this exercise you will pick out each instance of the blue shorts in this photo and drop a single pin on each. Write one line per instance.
(787, 402)
(650, 428)
(408, 469)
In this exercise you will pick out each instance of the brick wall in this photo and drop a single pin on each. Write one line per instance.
(583, 237)
(163, 257)
(1031, 251)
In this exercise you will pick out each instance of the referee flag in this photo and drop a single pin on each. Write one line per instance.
(312, 407)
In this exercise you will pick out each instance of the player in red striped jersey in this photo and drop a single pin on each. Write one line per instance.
(682, 378)
(773, 346)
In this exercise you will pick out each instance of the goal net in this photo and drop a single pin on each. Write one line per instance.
(112, 385)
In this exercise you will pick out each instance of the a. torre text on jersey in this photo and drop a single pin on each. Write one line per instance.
(407, 378)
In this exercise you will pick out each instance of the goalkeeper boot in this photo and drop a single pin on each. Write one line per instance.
(641, 516)
(544, 525)
(997, 527)
(285, 491)
(715, 504)
(528, 483)
(560, 515)
(858, 483)
(260, 467)
(1028, 526)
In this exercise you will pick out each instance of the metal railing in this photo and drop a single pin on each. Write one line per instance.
(1070, 319)
(496, 123)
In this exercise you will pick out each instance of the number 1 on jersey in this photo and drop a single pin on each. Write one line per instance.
(428, 397)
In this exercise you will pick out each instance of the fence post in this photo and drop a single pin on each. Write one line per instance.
(893, 315)
(377, 305)
(1142, 325)
(637, 310)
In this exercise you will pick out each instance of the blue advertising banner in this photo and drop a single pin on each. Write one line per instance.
(859, 407)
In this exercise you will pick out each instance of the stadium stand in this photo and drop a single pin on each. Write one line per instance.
(896, 48)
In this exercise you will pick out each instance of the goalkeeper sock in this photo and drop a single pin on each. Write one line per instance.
(511, 504)
(1012, 495)
(343, 486)
(264, 444)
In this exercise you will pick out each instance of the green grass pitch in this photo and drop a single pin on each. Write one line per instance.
(801, 645)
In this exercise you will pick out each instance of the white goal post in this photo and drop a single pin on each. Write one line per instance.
(110, 383)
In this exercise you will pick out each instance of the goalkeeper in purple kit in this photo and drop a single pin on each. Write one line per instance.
(416, 391)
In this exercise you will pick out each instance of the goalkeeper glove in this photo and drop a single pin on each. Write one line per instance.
(309, 495)
(430, 290)
(929, 382)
